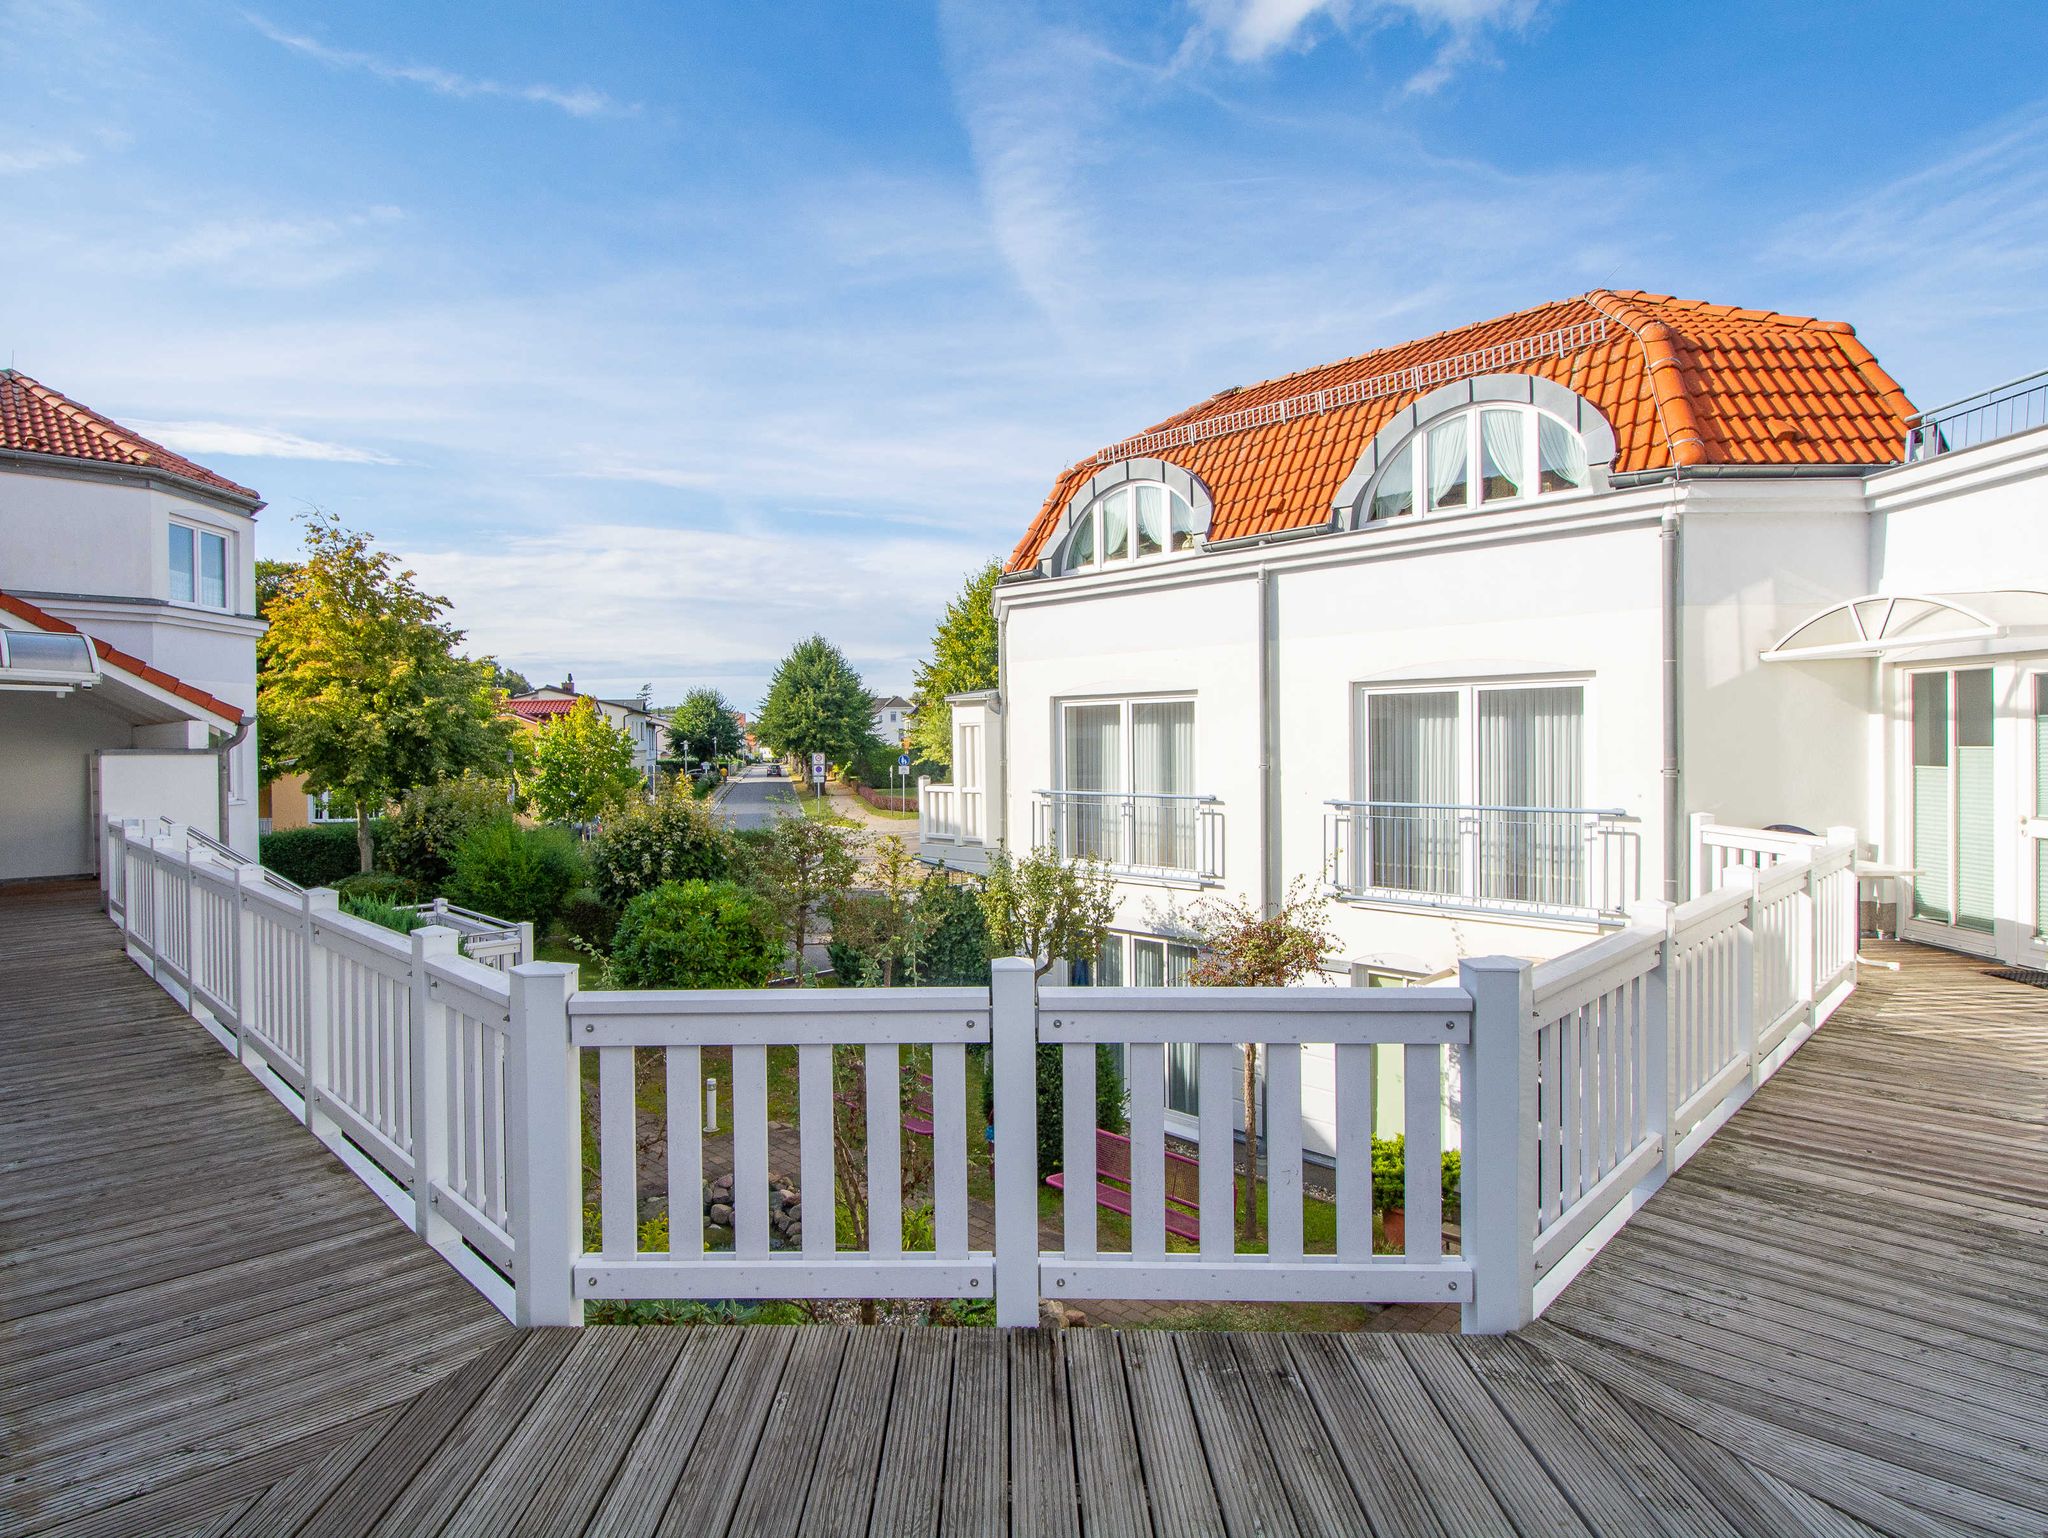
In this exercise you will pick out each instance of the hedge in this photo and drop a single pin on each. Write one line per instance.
(320, 855)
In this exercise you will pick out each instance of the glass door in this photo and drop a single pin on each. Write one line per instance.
(1954, 829)
(2034, 828)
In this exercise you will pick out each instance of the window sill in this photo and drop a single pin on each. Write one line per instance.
(1184, 881)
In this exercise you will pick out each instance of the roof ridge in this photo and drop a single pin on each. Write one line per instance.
(131, 447)
(1666, 374)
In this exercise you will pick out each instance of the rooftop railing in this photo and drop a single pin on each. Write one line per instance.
(455, 1093)
(1998, 412)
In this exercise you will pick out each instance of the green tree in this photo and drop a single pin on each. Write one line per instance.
(1051, 910)
(704, 727)
(360, 688)
(582, 767)
(1237, 946)
(816, 704)
(963, 659)
(884, 926)
(799, 866)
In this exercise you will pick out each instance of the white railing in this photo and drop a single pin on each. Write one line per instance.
(938, 811)
(1552, 862)
(1176, 836)
(2013, 407)
(494, 942)
(456, 1092)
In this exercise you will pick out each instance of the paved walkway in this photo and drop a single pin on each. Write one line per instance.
(1834, 1322)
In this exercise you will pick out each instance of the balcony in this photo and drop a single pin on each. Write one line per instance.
(2014, 407)
(1574, 863)
(952, 826)
(1157, 836)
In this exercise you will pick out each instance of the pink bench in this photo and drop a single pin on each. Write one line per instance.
(919, 1118)
(1113, 1184)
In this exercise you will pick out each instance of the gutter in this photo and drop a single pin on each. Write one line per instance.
(1269, 773)
(234, 741)
(1678, 474)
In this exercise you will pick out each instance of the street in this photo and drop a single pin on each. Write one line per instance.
(754, 798)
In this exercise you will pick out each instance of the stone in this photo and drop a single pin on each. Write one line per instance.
(721, 1214)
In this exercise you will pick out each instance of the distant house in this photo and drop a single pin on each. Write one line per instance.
(127, 635)
(891, 718)
(635, 717)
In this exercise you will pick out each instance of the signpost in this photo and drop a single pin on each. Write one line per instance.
(902, 773)
(818, 772)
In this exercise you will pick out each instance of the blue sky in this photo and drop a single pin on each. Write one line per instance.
(659, 335)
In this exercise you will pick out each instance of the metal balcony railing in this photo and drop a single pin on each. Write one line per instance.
(1548, 861)
(1999, 412)
(1169, 835)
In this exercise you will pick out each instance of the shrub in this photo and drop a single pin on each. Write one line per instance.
(377, 910)
(954, 952)
(376, 886)
(421, 837)
(588, 919)
(516, 873)
(696, 934)
(1110, 1100)
(673, 839)
(1390, 1175)
(317, 856)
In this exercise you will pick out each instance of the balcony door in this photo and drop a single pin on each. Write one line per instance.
(2035, 826)
(1954, 827)
(1127, 783)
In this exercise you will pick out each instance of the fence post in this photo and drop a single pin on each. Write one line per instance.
(1850, 914)
(1658, 1100)
(525, 942)
(1698, 882)
(1498, 1168)
(130, 860)
(428, 1046)
(162, 897)
(543, 1145)
(1013, 1065)
(246, 876)
(1746, 984)
(321, 902)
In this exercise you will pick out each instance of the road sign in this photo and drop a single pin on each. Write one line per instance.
(818, 768)
(903, 761)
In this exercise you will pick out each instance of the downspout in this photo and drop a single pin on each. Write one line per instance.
(1674, 833)
(1269, 772)
(234, 741)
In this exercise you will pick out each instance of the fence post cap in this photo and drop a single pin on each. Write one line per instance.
(249, 875)
(1014, 964)
(1738, 876)
(435, 940)
(322, 899)
(538, 970)
(1493, 964)
(1650, 913)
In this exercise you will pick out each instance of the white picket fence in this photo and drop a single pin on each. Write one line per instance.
(456, 1092)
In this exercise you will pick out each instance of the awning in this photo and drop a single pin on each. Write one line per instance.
(57, 664)
(1882, 624)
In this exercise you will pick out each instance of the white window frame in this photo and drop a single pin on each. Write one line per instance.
(1180, 1120)
(200, 533)
(1089, 515)
(1416, 447)
(1172, 876)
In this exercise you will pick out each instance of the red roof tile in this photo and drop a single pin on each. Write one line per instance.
(35, 419)
(21, 608)
(537, 710)
(1681, 381)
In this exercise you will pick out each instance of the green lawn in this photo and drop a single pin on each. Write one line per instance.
(819, 809)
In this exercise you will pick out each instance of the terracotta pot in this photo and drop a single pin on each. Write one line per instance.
(1394, 1225)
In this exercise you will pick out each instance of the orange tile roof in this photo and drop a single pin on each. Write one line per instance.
(1681, 382)
(42, 619)
(537, 710)
(35, 419)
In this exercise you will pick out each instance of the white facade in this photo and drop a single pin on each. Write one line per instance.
(891, 719)
(1484, 621)
(161, 571)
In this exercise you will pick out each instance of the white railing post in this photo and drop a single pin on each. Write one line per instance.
(318, 904)
(1700, 880)
(543, 1145)
(161, 898)
(1658, 1100)
(1013, 1064)
(1806, 947)
(1849, 917)
(525, 943)
(1747, 1016)
(246, 1004)
(430, 1116)
(1498, 1171)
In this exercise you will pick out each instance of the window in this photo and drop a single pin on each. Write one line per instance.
(1127, 783)
(1480, 456)
(1150, 962)
(199, 567)
(1130, 522)
(1954, 824)
(1473, 792)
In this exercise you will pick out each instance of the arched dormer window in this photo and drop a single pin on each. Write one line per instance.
(1136, 510)
(1479, 443)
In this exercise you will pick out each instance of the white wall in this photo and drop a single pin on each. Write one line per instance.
(46, 747)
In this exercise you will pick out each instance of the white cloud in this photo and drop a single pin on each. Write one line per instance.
(24, 157)
(1253, 30)
(577, 101)
(201, 438)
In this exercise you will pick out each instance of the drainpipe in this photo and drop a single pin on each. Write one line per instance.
(1674, 840)
(241, 731)
(1269, 772)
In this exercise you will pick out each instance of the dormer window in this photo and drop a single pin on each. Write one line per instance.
(1479, 456)
(1131, 522)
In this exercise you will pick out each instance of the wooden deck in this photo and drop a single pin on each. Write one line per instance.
(1834, 1321)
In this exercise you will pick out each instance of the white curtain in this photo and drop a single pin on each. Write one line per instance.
(1162, 765)
(1081, 547)
(1500, 457)
(1094, 761)
(1185, 533)
(1116, 519)
(1561, 456)
(1393, 496)
(1151, 500)
(1530, 754)
(1448, 470)
(1411, 756)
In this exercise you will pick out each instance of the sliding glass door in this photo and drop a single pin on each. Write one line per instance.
(1954, 828)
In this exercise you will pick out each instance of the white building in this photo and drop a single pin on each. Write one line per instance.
(635, 717)
(127, 635)
(1472, 634)
(891, 718)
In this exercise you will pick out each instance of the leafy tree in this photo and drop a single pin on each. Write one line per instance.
(272, 578)
(1050, 909)
(673, 838)
(798, 867)
(704, 727)
(582, 767)
(816, 704)
(885, 925)
(1237, 946)
(963, 659)
(421, 838)
(512, 872)
(359, 686)
(510, 680)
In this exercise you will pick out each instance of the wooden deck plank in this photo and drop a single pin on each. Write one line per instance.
(639, 1491)
(779, 1476)
(716, 1471)
(1303, 1455)
(912, 1474)
(1043, 1500)
(1179, 1484)
(591, 1453)
(975, 1496)
(1250, 1488)
(1388, 1492)
(1110, 1473)
(842, 1491)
